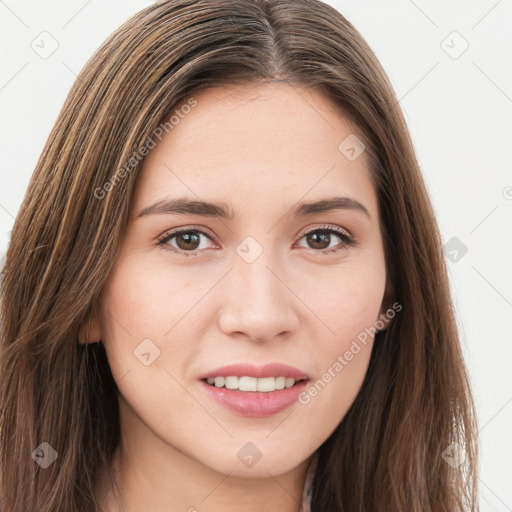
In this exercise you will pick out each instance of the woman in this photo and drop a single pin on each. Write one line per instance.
(225, 287)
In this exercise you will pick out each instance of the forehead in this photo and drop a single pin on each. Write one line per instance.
(269, 144)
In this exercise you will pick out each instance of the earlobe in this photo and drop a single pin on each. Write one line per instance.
(384, 320)
(90, 331)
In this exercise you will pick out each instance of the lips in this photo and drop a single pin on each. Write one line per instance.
(249, 370)
(251, 402)
(254, 404)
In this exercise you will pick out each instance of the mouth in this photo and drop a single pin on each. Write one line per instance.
(254, 397)
(253, 384)
(255, 391)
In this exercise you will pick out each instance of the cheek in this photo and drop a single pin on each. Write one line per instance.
(349, 309)
(144, 301)
(134, 318)
(347, 304)
(140, 310)
(341, 367)
(143, 307)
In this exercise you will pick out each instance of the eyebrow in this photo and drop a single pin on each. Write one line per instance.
(184, 205)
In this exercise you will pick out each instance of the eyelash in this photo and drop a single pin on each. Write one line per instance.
(347, 241)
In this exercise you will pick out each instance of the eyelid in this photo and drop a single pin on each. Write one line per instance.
(347, 238)
(198, 229)
(301, 233)
(334, 227)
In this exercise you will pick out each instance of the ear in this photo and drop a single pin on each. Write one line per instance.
(90, 330)
(383, 321)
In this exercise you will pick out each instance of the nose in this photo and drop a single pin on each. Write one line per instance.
(257, 302)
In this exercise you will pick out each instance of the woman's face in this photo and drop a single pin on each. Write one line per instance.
(265, 285)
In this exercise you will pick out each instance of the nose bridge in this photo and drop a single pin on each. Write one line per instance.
(256, 301)
(253, 262)
(258, 285)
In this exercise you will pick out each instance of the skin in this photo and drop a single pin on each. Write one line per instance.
(261, 151)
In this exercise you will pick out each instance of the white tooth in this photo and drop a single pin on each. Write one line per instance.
(247, 383)
(289, 382)
(266, 384)
(231, 382)
(280, 382)
(219, 382)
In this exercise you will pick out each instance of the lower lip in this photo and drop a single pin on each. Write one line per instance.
(256, 404)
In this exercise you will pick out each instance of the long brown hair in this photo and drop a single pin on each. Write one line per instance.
(389, 453)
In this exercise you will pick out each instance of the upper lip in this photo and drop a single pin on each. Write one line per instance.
(249, 370)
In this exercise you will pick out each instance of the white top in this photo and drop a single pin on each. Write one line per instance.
(308, 484)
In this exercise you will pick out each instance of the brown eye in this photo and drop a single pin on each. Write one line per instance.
(185, 240)
(320, 239)
(189, 240)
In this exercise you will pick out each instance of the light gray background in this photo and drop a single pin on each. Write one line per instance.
(459, 111)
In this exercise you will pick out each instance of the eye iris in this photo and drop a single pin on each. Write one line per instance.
(189, 239)
(324, 235)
